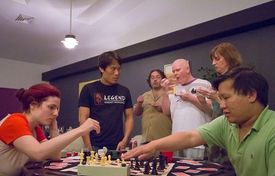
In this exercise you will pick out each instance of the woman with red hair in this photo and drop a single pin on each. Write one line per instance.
(21, 136)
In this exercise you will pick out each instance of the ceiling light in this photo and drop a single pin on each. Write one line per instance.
(70, 40)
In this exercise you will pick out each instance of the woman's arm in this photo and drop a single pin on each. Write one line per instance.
(41, 151)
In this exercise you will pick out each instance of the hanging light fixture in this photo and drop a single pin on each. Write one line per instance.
(70, 41)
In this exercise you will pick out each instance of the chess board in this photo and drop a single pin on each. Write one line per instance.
(115, 169)
(164, 172)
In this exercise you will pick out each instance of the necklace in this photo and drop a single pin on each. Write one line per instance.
(156, 95)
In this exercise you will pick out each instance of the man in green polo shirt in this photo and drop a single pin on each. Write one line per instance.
(246, 130)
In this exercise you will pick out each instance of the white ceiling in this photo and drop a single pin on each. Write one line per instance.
(99, 25)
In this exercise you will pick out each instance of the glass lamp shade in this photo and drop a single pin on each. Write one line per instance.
(69, 41)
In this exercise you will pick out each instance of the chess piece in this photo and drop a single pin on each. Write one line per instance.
(88, 160)
(105, 150)
(96, 157)
(81, 156)
(132, 163)
(84, 154)
(109, 159)
(123, 163)
(136, 164)
(154, 169)
(105, 160)
(102, 161)
(147, 168)
(91, 161)
(141, 163)
(118, 161)
(92, 155)
(162, 162)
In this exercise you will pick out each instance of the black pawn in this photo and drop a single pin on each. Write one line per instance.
(147, 168)
(154, 169)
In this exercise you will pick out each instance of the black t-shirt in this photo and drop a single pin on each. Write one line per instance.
(107, 105)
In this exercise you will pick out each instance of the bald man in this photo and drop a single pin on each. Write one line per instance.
(186, 111)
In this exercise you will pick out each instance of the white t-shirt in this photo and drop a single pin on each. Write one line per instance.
(186, 116)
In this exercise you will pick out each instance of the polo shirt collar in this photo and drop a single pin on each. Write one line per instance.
(262, 119)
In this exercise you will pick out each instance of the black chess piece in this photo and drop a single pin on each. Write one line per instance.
(84, 162)
(147, 167)
(86, 153)
(154, 169)
(137, 167)
(132, 163)
(162, 162)
(193, 91)
(141, 163)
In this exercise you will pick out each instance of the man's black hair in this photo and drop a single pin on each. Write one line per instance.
(105, 59)
(246, 80)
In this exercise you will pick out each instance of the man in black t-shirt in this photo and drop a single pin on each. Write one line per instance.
(107, 101)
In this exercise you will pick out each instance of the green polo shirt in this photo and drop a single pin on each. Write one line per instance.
(255, 154)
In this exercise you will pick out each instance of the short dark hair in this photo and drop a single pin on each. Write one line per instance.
(246, 80)
(105, 59)
(36, 93)
(157, 70)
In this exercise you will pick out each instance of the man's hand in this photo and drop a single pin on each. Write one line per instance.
(165, 84)
(140, 99)
(122, 144)
(142, 152)
(185, 96)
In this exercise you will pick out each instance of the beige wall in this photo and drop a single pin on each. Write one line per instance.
(17, 74)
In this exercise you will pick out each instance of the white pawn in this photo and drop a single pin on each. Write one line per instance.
(118, 161)
(96, 156)
(92, 154)
(81, 156)
(109, 159)
(88, 160)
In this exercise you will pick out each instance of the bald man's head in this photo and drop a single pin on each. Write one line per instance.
(181, 70)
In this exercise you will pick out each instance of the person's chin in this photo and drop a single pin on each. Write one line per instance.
(231, 119)
(114, 82)
(45, 123)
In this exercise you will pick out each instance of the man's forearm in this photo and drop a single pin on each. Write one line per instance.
(129, 123)
(87, 142)
(138, 109)
(166, 105)
(204, 107)
(180, 140)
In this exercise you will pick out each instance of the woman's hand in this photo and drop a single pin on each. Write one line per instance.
(53, 129)
(208, 93)
(89, 125)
